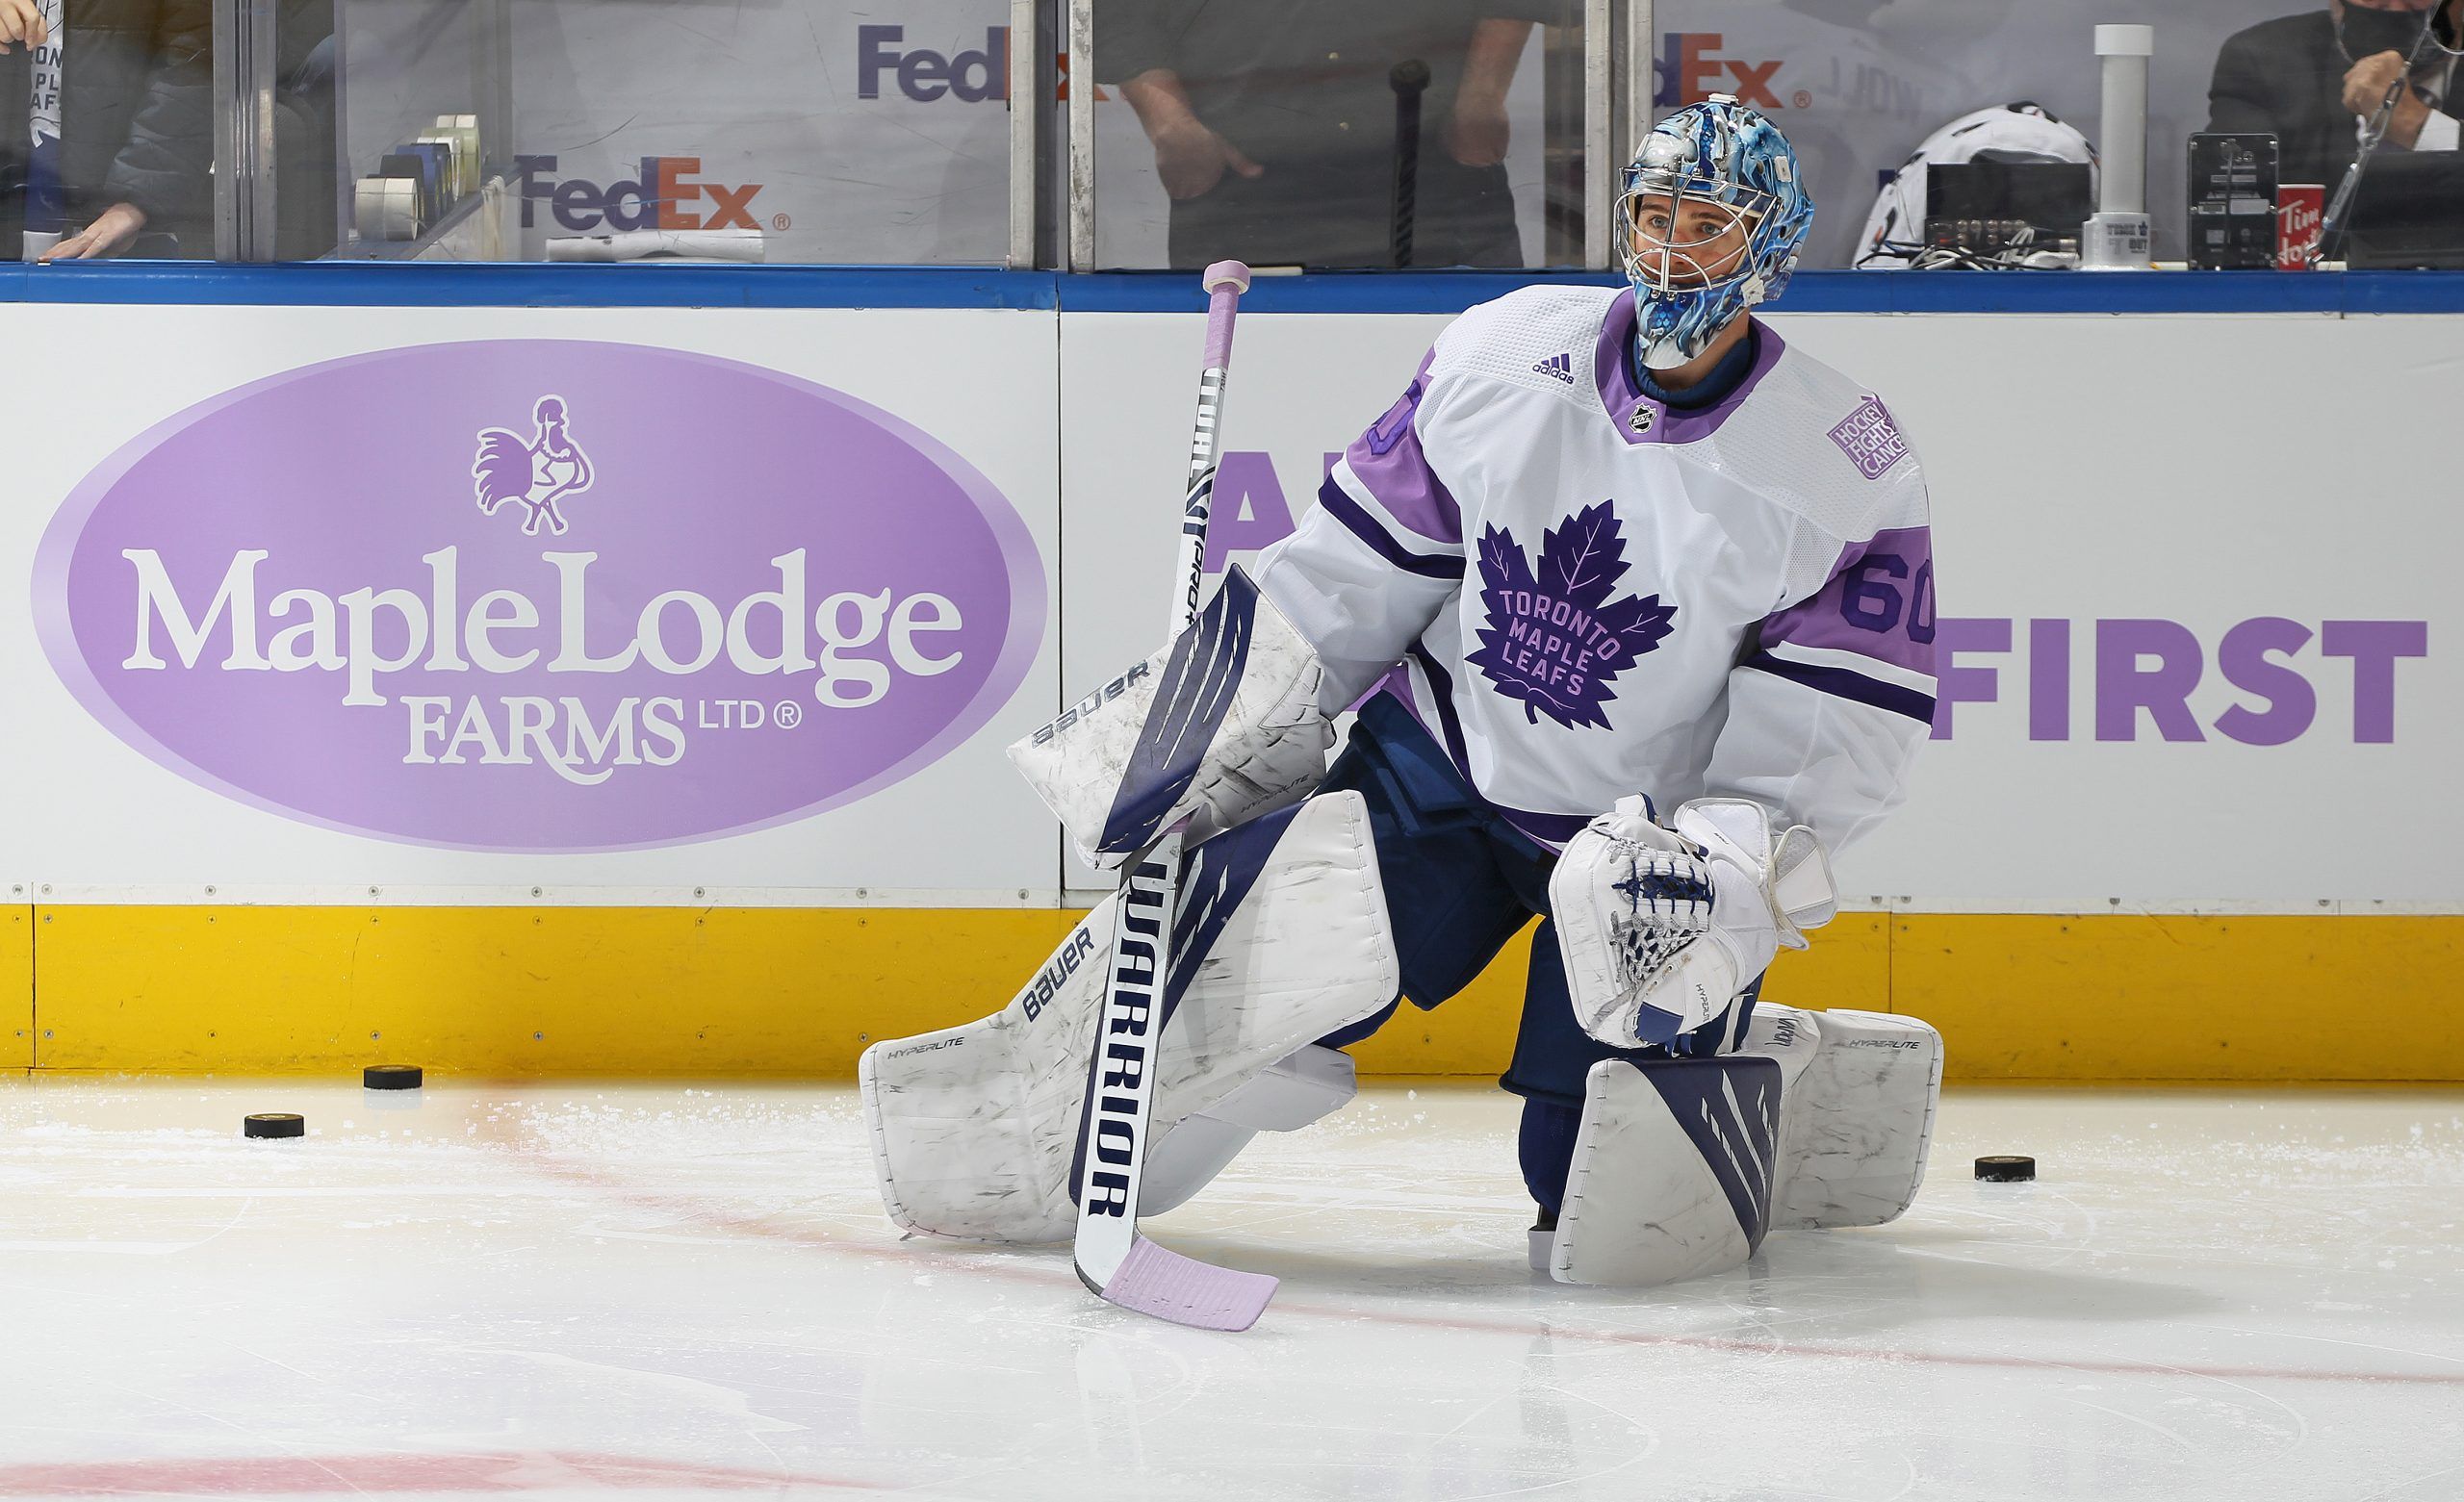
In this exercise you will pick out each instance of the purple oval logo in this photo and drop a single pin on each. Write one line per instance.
(539, 595)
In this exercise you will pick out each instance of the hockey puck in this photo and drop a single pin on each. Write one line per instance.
(2007, 1170)
(392, 1077)
(274, 1123)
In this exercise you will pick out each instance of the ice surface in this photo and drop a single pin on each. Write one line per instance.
(560, 1291)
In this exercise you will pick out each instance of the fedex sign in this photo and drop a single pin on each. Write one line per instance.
(926, 75)
(666, 194)
(970, 74)
(1690, 69)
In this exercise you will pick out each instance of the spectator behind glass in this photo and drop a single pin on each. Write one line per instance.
(1274, 123)
(134, 135)
(2315, 80)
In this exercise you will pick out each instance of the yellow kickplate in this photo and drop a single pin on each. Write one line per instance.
(800, 992)
(17, 1031)
(2135, 997)
(519, 991)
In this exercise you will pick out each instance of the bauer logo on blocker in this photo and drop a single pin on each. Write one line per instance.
(735, 597)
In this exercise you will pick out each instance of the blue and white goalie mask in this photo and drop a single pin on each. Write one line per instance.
(1712, 212)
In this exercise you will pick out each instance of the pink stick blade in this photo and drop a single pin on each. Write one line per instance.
(1156, 1280)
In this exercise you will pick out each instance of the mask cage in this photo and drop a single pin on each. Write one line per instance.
(1672, 265)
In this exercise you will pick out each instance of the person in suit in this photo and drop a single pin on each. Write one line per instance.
(1274, 123)
(2314, 80)
(118, 95)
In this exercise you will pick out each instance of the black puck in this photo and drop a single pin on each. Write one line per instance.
(392, 1077)
(2007, 1170)
(274, 1123)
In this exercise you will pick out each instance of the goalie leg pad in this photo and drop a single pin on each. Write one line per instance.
(1822, 1121)
(1860, 1122)
(1672, 1171)
(1286, 1096)
(1674, 1166)
(1282, 937)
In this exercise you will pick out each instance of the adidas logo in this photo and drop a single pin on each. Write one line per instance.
(1562, 367)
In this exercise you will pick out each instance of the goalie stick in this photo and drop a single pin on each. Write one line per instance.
(1113, 1259)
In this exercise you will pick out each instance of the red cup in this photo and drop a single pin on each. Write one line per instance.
(2300, 218)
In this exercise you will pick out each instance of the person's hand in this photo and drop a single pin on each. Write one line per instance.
(21, 22)
(1475, 134)
(1189, 157)
(2367, 82)
(107, 236)
(2366, 86)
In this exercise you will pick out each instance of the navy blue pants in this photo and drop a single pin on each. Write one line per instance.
(1460, 881)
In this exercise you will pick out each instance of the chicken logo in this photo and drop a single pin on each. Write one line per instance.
(538, 474)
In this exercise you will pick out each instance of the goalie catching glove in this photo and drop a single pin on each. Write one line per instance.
(1661, 928)
(1218, 729)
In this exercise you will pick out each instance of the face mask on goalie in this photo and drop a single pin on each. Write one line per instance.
(1684, 243)
(1710, 217)
(1679, 243)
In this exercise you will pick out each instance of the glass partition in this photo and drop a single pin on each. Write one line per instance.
(664, 130)
(1298, 132)
(1865, 87)
(106, 129)
(1417, 132)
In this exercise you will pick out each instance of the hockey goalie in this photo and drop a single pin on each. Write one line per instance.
(1636, 606)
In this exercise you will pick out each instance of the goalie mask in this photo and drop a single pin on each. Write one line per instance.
(1711, 216)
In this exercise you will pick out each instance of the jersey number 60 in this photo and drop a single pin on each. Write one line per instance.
(1873, 603)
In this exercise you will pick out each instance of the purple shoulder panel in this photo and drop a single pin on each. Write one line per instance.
(1878, 604)
(1389, 462)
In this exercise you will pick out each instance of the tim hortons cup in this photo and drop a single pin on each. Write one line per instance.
(2300, 214)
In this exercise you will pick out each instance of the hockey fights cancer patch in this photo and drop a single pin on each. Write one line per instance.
(1870, 439)
(1554, 638)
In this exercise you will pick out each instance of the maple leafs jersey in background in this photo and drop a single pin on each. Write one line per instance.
(1731, 600)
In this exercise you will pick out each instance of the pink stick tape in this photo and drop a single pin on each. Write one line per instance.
(1225, 280)
(1154, 1280)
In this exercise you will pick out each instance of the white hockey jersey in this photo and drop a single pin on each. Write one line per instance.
(1583, 594)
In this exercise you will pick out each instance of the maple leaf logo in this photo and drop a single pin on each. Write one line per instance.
(1554, 638)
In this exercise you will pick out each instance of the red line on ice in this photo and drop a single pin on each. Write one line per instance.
(1059, 1275)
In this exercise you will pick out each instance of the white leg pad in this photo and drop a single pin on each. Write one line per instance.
(1673, 1168)
(1681, 1166)
(974, 1129)
(1859, 1121)
(1286, 1096)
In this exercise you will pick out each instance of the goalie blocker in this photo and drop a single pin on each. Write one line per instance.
(1219, 727)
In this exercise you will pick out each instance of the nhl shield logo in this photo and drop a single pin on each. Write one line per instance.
(1645, 414)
